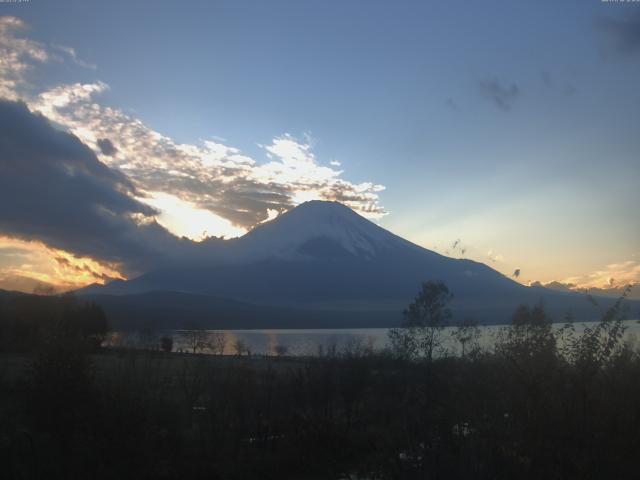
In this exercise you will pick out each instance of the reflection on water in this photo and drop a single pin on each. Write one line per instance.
(299, 342)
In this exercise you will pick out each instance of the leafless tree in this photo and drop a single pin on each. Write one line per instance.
(240, 347)
(218, 342)
(197, 340)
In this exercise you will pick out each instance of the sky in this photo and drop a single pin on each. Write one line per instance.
(504, 132)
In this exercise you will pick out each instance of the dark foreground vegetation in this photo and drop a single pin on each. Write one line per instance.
(541, 404)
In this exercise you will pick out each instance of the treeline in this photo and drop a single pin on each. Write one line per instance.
(539, 404)
(28, 322)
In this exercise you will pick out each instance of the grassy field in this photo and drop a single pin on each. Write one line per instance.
(524, 412)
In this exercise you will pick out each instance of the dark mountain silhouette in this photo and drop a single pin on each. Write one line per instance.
(176, 310)
(321, 260)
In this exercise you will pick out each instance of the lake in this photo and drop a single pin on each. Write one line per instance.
(303, 342)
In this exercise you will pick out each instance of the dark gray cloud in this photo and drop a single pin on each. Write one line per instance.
(55, 190)
(452, 104)
(244, 205)
(622, 34)
(500, 95)
(106, 147)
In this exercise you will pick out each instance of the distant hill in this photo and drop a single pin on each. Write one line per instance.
(321, 262)
(611, 292)
(19, 283)
(176, 310)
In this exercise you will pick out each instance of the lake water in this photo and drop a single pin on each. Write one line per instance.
(302, 342)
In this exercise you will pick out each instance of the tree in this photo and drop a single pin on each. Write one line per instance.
(424, 320)
(596, 345)
(280, 350)
(239, 346)
(218, 342)
(196, 338)
(166, 343)
(529, 344)
(467, 334)
(147, 337)
(95, 325)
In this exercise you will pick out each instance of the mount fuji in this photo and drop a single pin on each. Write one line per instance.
(319, 264)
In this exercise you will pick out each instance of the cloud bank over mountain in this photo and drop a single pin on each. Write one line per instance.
(213, 176)
(87, 182)
(54, 190)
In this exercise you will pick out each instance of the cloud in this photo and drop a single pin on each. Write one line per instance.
(606, 291)
(71, 52)
(622, 34)
(20, 283)
(54, 189)
(12, 251)
(106, 147)
(609, 281)
(559, 286)
(554, 84)
(13, 255)
(17, 55)
(495, 257)
(183, 218)
(212, 176)
(614, 274)
(25, 265)
(271, 215)
(452, 104)
(500, 95)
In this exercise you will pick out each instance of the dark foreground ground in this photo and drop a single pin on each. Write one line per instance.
(542, 403)
(523, 411)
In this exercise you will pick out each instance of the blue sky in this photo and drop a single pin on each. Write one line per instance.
(512, 126)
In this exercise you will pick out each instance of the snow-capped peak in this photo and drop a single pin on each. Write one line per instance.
(318, 221)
